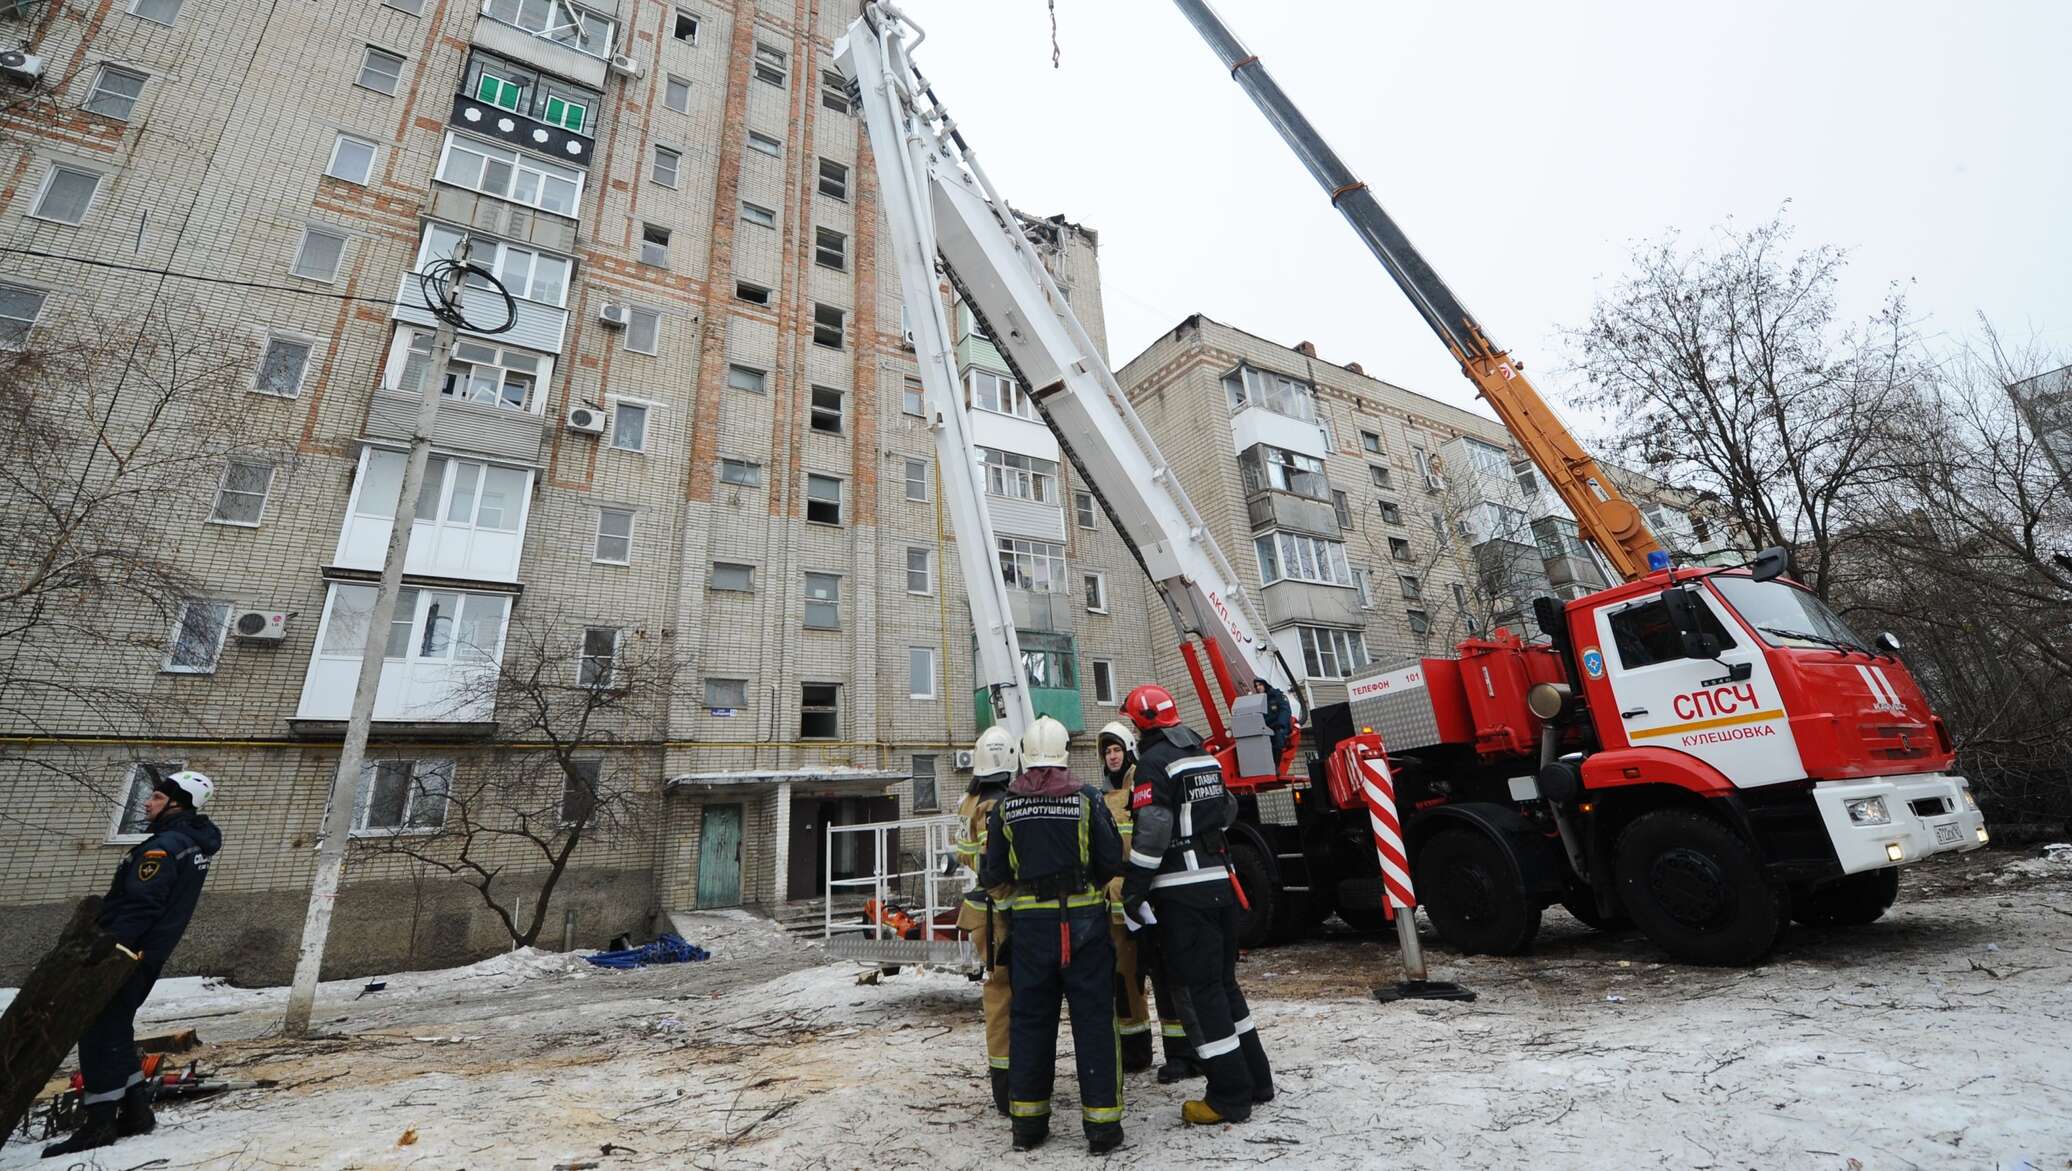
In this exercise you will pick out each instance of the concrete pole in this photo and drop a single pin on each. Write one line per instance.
(338, 811)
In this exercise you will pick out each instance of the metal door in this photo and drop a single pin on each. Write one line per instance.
(719, 857)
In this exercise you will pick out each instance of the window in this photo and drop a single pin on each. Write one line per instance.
(197, 638)
(115, 92)
(820, 711)
(751, 292)
(1361, 586)
(138, 785)
(1297, 557)
(666, 163)
(629, 426)
(1083, 509)
(1487, 459)
(319, 254)
(654, 245)
(403, 795)
(614, 536)
(1399, 549)
(1095, 586)
(481, 496)
(1342, 508)
(644, 331)
(1499, 522)
(826, 410)
(834, 91)
(562, 22)
(413, 7)
(1411, 589)
(827, 326)
(1048, 666)
(1104, 682)
(741, 472)
(380, 71)
(1022, 477)
(920, 672)
(764, 144)
(500, 85)
(727, 695)
(1425, 469)
(913, 398)
(917, 480)
(830, 249)
(475, 372)
(685, 28)
(532, 275)
(1331, 654)
(507, 174)
(998, 392)
(281, 364)
(834, 179)
(1420, 622)
(1645, 636)
(1558, 537)
(925, 799)
(579, 787)
(600, 653)
(1267, 467)
(746, 378)
(562, 112)
(156, 11)
(920, 570)
(760, 216)
(823, 500)
(769, 64)
(19, 309)
(241, 497)
(1324, 425)
(1032, 565)
(1391, 512)
(1379, 475)
(352, 159)
(1278, 393)
(676, 93)
(1528, 478)
(429, 626)
(1370, 443)
(733, 577)
(67, 194)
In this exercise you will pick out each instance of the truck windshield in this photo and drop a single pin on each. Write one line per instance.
(1786, 615)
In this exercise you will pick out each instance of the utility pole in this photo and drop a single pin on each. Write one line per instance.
(338, 811)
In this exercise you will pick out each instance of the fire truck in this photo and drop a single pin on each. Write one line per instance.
(1706, 753)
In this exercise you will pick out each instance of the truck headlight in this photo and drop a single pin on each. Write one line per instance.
(1970, 801)
(1868, 811)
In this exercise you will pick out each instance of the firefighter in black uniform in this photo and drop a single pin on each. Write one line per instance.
(1053, 839)
(144, 914)
(1179, 865)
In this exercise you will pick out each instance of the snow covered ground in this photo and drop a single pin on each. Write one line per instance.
(1936, 1038)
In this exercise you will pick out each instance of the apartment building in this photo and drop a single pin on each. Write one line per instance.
(1368, 523)
(701, 436)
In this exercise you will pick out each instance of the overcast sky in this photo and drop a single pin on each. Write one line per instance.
(1525, 147)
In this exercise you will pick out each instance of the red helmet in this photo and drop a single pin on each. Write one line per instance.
(1151, 706)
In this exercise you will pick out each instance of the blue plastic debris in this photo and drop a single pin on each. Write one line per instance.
(668, 948)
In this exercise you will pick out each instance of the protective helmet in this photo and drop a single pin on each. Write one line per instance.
(1046, 743)
(1118, 732)
(188, 787)
(995, 752)
(1151, 706)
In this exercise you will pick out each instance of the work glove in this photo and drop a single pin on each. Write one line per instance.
(1136, 887)
(1137, 916)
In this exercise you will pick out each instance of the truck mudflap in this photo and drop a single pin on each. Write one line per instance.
(1891, 821)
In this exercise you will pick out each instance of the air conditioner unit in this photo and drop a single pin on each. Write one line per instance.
(613, 314)
(26, 68)
(626, 66)
(260, 625)
(909, 339)
(1435, 482)
(963, 759)
(588, 420)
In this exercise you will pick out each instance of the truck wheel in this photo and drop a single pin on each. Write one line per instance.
(1697, 889)
(1471, 888)
(1851, 901)
(1254, 927)
(1583, 905)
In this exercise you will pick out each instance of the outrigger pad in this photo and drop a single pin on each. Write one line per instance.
(1423, 990)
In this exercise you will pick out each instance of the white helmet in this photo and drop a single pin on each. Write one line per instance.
(197, 787)
(995, 752)
(1046, 743)
(1121, 733)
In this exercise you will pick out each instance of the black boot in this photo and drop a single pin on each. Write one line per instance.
(1178, 1069)
(136, 1116)
(1136, 1052)
(1104, 1141)
(98, 1131)
(1030, 1134)
(1000, 1091)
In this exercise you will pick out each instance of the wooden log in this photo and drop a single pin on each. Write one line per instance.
(62, 996)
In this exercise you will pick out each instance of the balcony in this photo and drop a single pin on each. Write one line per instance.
(499, 432)
(1511, 570)
(514, 129)
(540, 326)
(1051, 673)
(1044, 610)
(1573, 570)
(440, 662)
(1305, 603)
(468, 523)
(1286, 510)
(501, 217)
(554, 35)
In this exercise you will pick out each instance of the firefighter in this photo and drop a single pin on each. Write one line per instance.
(1179, 878)
(1053, 838)
(1118, 746)
(983, 915)
(144, 914)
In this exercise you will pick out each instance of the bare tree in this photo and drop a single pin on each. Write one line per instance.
(575, 705)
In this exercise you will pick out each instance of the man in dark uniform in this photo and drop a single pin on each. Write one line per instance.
(1053, 839)
(143, 916)
(1179, 865)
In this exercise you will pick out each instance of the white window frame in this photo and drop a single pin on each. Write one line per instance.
(498, 257)
(764, 144)
(712, 582)
(1301, 557)
(134, 776)
(309, 231)
(655, 253)
(917, 475)
(1330, 653)
(1098, 603)
(838, 181)
(755, 472)
(762, 378)
(832, 709)
(1364, 586)
(838, 249)
(637, 314)
(597, 556)
(928, 655)
(521, 165)
(598, 36)
(680, 15)
(812, 499)
(95, 92)
(752, 293)
(999, 394)
(913, 395)
(665, 154)
(917, 773)
(468, 358)
(363, 798)
(585, 659)
(172, 643)
(670, 82)
(14, 331)
(50, 177)
(136, 9)
(926, 570)
(223, 489)
(647, 415)
(1085, 511)
(1103, 695)
(1039, 564)
(1014, 476)
(822, 330)
(815, 412)
(367, 60)
(771, 65)
(757, 214)
(832, 599)
(1372, 448)
(408, 7)
(373, 157)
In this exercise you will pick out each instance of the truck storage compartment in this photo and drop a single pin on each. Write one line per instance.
(1496, 675)
(1413, 705)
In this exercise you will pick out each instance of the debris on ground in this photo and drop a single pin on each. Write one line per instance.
(668, 948)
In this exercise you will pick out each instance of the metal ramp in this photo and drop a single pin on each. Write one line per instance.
(928, 893)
